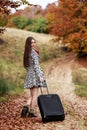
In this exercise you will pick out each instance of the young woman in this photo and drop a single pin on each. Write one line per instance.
(34, 78)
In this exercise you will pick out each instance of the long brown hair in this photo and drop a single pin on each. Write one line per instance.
(27, 52)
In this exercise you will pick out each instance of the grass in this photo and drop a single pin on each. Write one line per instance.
(12, 72)
(8, 88)
(11, 59)
(4, 87)
(81, 124)
(50, 52)
(80, 82)
(81, 90)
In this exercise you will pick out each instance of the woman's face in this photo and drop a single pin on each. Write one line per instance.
(33, 43)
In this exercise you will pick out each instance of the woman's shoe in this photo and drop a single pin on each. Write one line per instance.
(31, 114)
(24, 111)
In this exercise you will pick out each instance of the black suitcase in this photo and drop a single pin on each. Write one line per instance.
(51, 108)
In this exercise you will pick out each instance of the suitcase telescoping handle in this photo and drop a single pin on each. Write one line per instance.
(44, 87)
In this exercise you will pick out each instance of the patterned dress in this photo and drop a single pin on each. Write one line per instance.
(34, 72)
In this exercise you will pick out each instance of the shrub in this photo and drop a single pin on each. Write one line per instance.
(21, 22)
(49, 52)
(80, 81)
(38, 25)
(81, 90)
(3, 21)
(4, 87)
(35, 25)
(9, 87)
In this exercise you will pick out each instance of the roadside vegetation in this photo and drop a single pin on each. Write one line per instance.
(70, 23)
(80, 81)
(34, 25)
(12, 72)
(10, 79)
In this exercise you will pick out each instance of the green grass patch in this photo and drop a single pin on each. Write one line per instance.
(81, 124)
(11, 79)
(1, 65)
(11, 57)
(80, 81)
(10, 89)
(3, 99)
(15, 89)
(4, 87)
(81, 90)
(50, 52)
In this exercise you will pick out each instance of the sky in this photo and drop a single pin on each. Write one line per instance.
(42, 3)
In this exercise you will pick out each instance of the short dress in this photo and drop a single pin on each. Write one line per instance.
(34, 72)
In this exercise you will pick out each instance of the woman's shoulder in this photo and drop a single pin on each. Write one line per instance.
(34, 51)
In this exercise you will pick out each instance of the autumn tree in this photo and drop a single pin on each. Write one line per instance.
(5, 9)
(68, 21)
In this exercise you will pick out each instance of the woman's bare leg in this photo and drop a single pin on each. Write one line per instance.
(29, 101)
(34, 94)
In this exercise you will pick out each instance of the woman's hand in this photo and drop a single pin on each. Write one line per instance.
(41, 79)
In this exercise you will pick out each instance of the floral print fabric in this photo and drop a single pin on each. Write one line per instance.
(34, 72)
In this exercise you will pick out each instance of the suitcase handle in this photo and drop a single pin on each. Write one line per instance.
(45, 87)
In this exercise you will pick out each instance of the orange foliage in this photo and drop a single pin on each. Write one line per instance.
(6, 5)
(69, 20)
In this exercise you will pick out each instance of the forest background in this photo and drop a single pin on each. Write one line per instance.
(64, 19)
(61, 33)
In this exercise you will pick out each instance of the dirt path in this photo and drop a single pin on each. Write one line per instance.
(59, 80)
